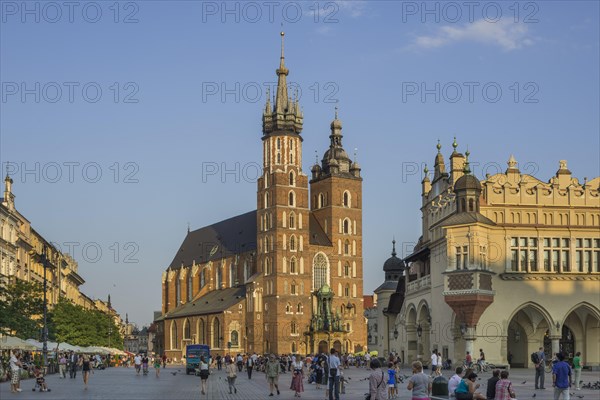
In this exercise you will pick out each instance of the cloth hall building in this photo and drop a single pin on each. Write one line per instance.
(287, 276)
(508, 264)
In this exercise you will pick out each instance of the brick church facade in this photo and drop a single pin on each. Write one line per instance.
(286, 277)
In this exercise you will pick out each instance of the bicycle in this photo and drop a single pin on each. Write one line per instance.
(487, 367)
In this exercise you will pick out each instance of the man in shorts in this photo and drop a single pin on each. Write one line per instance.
(272, 372)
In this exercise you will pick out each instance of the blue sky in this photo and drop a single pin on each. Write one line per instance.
(503, 79)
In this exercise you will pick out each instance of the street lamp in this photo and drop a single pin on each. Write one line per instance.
(419, 330)
(396, 333)
(45, 329)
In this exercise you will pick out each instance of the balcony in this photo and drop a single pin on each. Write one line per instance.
(419, 284)
(461, 282)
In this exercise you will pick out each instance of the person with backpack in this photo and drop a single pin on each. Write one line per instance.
(538, 359)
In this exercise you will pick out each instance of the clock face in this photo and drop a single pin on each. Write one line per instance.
(214, 250)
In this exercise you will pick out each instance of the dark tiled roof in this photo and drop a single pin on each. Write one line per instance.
(397, 299)
(213, 302)
(317, 235)
(387, 285)
(229, 237)
(466, 218)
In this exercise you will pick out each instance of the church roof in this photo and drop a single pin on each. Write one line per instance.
(317, 234)
(213, 302)
(387, 285)
(222, 239)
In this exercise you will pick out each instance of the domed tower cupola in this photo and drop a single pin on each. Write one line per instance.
(393, 266)
(336, 159)
(468, 190)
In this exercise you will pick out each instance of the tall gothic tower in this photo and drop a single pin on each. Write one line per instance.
(336, 204)
(283, 214)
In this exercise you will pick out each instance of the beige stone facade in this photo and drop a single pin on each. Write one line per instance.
(294, 285)
(507, 265)
(22, 251)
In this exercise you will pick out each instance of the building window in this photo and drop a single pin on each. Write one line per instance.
(294, 329)
(187, 334)
(288, 308)
(234, 339)
(556, 254)
(346, 199)
(173, 335)
(347, 290)
(189, 287)
(266, 199)
(292, 180)
(216, 333)
(202, 278)
(291, 199)
(292, 220)
(320, 271)
(346, 226)
(219, 277)
(483, 256)
(321, 202)
(347, 270)
(177, 292)
(294, 289)
(293, 269)
(232, 275)
(299, 308)
(347, 248)
(462, 254)
(292, 243)
(586, 257)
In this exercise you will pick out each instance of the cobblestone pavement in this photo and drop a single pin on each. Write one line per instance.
(123, 383)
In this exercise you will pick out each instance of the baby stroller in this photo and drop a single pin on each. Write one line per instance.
(40, 381)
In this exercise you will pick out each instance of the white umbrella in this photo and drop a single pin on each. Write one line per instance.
(11, 342)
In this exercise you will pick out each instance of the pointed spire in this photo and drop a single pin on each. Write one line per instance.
(281, 101)
(454, 146)
(268, 109)
(108, 302)
(188, 228)
(439, 167)
(126, 319)
(394, 247)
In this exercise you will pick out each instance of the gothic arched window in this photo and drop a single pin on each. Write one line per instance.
(320, 271)
(293, 266)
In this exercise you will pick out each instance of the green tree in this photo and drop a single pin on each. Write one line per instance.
(80, 327)
(21, 308)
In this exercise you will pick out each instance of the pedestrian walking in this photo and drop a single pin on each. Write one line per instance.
(15, 372)
(561, 378)
(434, 360)
(272, 372)
(577, 366)
(157, 361)
(137, 360)
(240, 362)
(62, 366)
(219, 362)
(231, 375)
(377, 386)
(297, 377)
(73, 362)
(204, 373)
(419, 383)
(391, 380)
(85, 369)
(249, 366)
(539, 361)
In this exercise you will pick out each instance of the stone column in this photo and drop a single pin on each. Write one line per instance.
(555, 344)
(470, 337)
